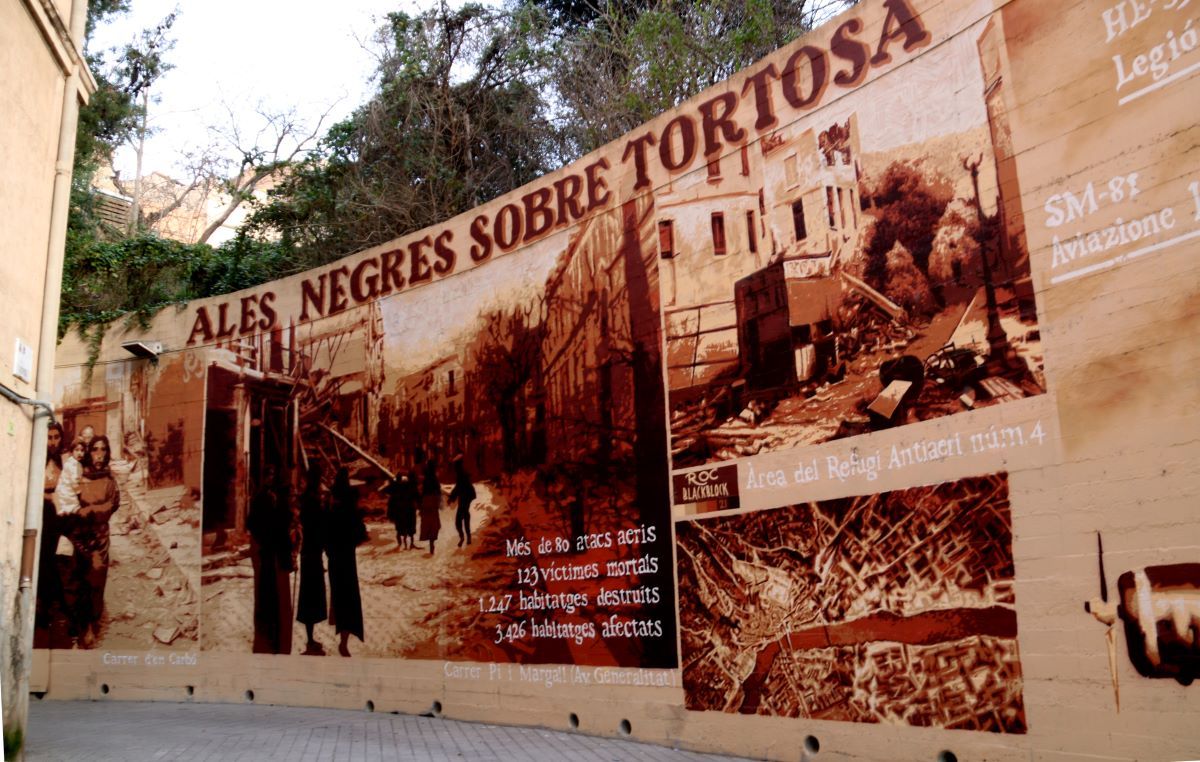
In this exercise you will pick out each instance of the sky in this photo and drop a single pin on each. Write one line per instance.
(310, 56)
(242, 55)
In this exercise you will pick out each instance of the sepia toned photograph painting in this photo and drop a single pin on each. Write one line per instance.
(119, 566)
(474, 472)
(694, 375)
(891, 608)
(861, 268)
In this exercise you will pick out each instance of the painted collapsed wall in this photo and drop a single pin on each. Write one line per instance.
(829, 398)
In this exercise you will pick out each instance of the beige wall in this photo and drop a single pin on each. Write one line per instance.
(36, 57)
(1086, 426)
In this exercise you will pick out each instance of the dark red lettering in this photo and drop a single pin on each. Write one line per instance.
(389, 271)
(901, 21)
(567, 190)
(249, 316)
(819, 68)
(338, 300)
(637, 147)
(507, 235)
(482, 249)
(760, 83)
(224, 330)
(687, 138)
(310, 295)
(444, 253)
(712, 121)
(845, 47)
(419, 270)
(357, 281)
(538, 215)
(267, 321)
(596, 184)
(202, 327)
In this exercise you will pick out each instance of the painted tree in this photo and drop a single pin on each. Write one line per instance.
(909, 201)
(955, 249)
(501, 362)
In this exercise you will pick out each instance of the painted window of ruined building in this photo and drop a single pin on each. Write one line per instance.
(718, 233)
(798, 220)
(666, 239)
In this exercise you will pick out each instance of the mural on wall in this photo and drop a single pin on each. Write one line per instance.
(119, 564)
(1159, 608)
(490, 487)
(478, 470)
(457, 446)
(858, 269)
(895, 607)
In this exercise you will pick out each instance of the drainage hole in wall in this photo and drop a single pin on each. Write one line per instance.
(435, 710)
(573, 720)
(191, 690)
(812, 744)
(249, 695)
(104, 688)
(370, 706)
(947, 756)
(626, 728)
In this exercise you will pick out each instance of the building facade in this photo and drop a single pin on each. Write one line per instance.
(45, 78)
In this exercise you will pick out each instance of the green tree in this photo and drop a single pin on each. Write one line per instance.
(469, 104)
(139, 67)
(93, 292)
(105, 122)
(623, 62)
(458, 118)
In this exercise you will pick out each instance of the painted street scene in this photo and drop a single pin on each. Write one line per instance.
(865, 269)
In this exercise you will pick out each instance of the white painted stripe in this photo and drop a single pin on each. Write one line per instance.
(1161, 83)
(1125, 257)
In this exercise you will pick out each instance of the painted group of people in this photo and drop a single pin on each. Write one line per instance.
(81, 495)
(419, 493)
(331, 526)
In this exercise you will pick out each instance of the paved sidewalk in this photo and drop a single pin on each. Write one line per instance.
(134, 731)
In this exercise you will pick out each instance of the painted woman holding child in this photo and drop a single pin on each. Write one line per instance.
(87, 498)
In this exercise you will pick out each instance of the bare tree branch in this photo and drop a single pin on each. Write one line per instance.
(287, 140)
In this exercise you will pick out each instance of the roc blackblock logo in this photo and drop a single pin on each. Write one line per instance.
(710, 489)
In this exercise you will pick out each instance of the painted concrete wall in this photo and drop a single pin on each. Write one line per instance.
(934, 439)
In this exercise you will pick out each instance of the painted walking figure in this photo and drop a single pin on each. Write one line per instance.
(431, 501)
(269, 525)
(346, 532)
(402, 507)
(313, 528)
(464, 492)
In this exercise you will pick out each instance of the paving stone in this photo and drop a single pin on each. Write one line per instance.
(135, 731)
